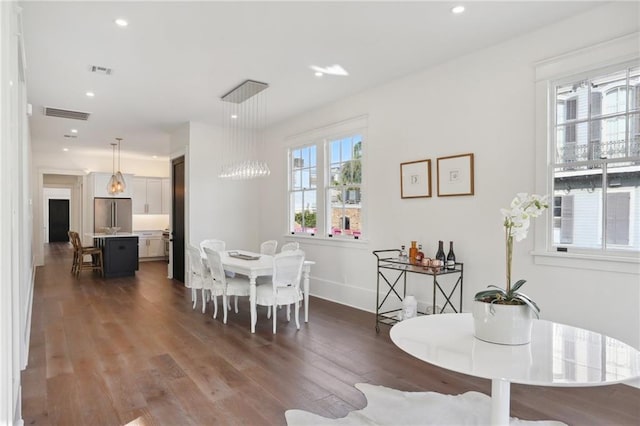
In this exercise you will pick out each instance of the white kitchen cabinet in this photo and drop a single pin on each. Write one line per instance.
(99, 182)
(151, 245)
(147, 195)
(166, 196)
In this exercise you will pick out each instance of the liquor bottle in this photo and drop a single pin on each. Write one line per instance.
(413, 250)
(440, 253)
(419, 255)
(451, 257)
(403, 254)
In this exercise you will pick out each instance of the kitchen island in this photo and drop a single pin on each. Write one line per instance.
(119, 253)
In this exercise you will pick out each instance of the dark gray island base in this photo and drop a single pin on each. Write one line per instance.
(120, 254)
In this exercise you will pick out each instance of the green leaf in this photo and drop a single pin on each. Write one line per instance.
(497, 293)
(517, 285)
(530, 303)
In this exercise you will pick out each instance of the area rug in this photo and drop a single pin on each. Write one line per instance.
(392, 407)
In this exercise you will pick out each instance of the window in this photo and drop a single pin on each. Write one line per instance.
(344, 192)
(595, 167)
(326, 182)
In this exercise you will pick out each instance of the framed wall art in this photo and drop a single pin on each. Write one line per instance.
(415, 179)
(455, 175)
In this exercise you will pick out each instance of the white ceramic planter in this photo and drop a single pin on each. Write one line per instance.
(502, 324)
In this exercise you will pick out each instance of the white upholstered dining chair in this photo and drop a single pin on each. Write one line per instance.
(284, 288)
(290, 246)
(232, 286)
(199, 279)
(269, 247)
(217, 245)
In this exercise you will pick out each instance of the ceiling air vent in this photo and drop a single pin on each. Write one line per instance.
(70, 136)
(65, 113)
(101, 70)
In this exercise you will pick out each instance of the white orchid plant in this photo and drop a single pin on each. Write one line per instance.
(517, 218)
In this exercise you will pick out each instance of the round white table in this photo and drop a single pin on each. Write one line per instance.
(558, 355)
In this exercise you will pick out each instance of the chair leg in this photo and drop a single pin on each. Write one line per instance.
(275, 315)
(215, 305)
(298, 315)
(236, 304)
(288, 312)
(204, 300)
(194, 297)
(268, 312)
(101, 260)
(224, 307)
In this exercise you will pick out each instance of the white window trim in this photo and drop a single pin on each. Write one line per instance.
(603, 55)
(320, 137)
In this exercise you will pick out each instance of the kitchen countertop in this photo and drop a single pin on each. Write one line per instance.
(117, 234)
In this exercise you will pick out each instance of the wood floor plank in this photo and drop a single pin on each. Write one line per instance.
(133, 351)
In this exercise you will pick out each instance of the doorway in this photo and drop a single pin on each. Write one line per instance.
(178, 181)
(58, 220)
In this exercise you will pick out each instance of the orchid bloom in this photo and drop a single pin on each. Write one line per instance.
(517, 218)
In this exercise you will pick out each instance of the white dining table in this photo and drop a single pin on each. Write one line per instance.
(558, 355)
(263, 266)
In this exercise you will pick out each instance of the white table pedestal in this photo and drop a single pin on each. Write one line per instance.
(500, 400)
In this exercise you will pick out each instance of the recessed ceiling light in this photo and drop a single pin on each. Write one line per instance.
(90, 94)
(319, 74)
(121, 22)
(74, 130)
(65, 149)
(234, 116)
(331, 70)
(457, 9)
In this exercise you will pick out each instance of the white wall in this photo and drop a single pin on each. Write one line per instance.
(217, 208)
(16, 215)
(482, 103)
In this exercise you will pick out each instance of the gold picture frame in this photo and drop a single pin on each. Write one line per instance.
(455, 175)
(415, 179)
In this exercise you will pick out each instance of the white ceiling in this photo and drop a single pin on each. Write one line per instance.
(175, 59)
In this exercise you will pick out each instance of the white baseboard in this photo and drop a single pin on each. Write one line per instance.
(633, 383)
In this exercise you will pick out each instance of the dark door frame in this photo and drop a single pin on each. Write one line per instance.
(178, 171)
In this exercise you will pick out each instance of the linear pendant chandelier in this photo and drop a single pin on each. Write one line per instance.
(244, 118)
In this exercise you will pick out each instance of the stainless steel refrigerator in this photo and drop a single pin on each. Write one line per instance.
(109, 212)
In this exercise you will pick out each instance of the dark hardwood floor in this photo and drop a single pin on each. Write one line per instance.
(111, 352)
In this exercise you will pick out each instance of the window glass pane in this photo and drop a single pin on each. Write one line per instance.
(312, 157)
(347, 149)
(623, 218)
(609, 94)
(296, 202)
(345, 211)
(572, 102)
(305, 216)
(334, 172)
(305, 179)
(634, 135)
(609, 138)
(580, 220)
(572, 143)
(298, 161)
(634, 89)
(296, 179)
(335, 151)
(313, 178)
